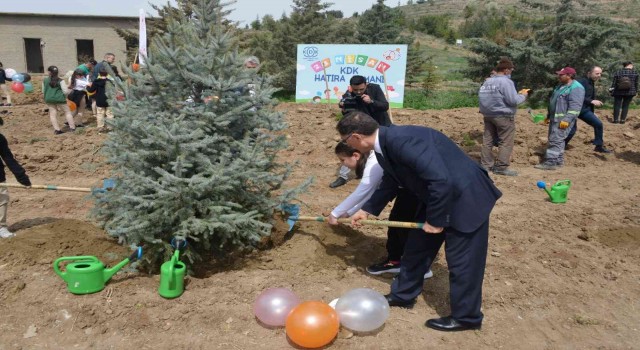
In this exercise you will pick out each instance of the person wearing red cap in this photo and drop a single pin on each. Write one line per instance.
(564, 107)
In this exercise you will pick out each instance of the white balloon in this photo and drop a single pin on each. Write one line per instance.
(362, 310)
(274, 305)
(9, 72)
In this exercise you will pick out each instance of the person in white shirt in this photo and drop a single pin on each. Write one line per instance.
(404, 208)
(78, 84)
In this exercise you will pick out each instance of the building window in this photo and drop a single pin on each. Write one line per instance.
(84, 50)
(33, 55)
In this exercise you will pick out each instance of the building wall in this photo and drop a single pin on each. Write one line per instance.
(58, 34)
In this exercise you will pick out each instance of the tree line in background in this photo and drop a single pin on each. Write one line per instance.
(537, 45)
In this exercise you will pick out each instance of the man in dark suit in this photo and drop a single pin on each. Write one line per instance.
(456, 198)
(369, 99)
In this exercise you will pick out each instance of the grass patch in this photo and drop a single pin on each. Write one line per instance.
(418, 99)
(285, 96)
(468, 141)
(585, 321)
(37, 139)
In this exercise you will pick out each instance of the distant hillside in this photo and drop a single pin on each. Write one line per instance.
(619, 10)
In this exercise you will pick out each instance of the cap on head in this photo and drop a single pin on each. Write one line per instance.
(252, 62)
(566, 70)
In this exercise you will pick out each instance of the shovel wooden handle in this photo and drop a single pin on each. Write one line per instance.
(364, 222)
(48, 187)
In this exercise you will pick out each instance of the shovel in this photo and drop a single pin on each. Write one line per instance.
(107, 185)
(293, 211)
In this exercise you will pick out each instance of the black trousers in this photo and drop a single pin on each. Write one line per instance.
(621, 102)
(404, 209)
(466, 255)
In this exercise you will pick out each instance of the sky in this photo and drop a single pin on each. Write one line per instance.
(245, 11)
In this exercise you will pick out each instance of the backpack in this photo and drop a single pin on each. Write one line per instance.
(624, 83)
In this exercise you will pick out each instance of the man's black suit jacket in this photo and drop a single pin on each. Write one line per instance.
(454, 190)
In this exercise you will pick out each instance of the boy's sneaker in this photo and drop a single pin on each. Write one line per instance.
(386, 266)
(5, 233)
(58, 132)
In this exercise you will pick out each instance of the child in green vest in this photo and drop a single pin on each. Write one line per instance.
(55, 92)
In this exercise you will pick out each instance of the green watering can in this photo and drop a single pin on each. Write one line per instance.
(558, 192)
(172, 273)
(536, 118)
(86, 274)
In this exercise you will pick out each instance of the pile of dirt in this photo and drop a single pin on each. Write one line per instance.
(48, 239)
(558, 275)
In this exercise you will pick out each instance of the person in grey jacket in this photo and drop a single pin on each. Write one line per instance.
(564, 108)
(498, 104)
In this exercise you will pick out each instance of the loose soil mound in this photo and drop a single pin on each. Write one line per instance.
(558, 275)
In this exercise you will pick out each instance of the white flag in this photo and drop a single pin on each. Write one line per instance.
(142, 46)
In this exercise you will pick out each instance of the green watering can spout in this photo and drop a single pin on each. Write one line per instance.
(108, 273)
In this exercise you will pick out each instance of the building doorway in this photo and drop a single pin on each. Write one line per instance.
(33, 52)
(84, 50)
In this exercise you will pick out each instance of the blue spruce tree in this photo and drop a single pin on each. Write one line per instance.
(194, 145)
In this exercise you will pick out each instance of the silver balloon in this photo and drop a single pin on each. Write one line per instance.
(273, 306)
(362, 310)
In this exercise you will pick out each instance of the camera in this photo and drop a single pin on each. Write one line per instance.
(350, 101)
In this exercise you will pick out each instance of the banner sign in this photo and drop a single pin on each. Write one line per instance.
(142, 45)
(323, 71)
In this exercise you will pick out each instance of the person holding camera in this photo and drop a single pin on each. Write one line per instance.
(366, 98)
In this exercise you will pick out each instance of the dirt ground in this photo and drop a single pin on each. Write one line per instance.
(559, 276)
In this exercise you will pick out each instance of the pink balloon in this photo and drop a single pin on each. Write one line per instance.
(17, 86)
(274, 305)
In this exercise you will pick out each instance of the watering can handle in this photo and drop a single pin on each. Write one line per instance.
(174, 261)
(564, 182)
(56, 267)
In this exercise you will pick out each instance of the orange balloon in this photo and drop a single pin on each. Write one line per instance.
(312, 324)
(72, 105)
(135, 67)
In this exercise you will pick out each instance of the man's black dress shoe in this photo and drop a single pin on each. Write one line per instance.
(399, 303)
(448, 324)
(338, 182)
